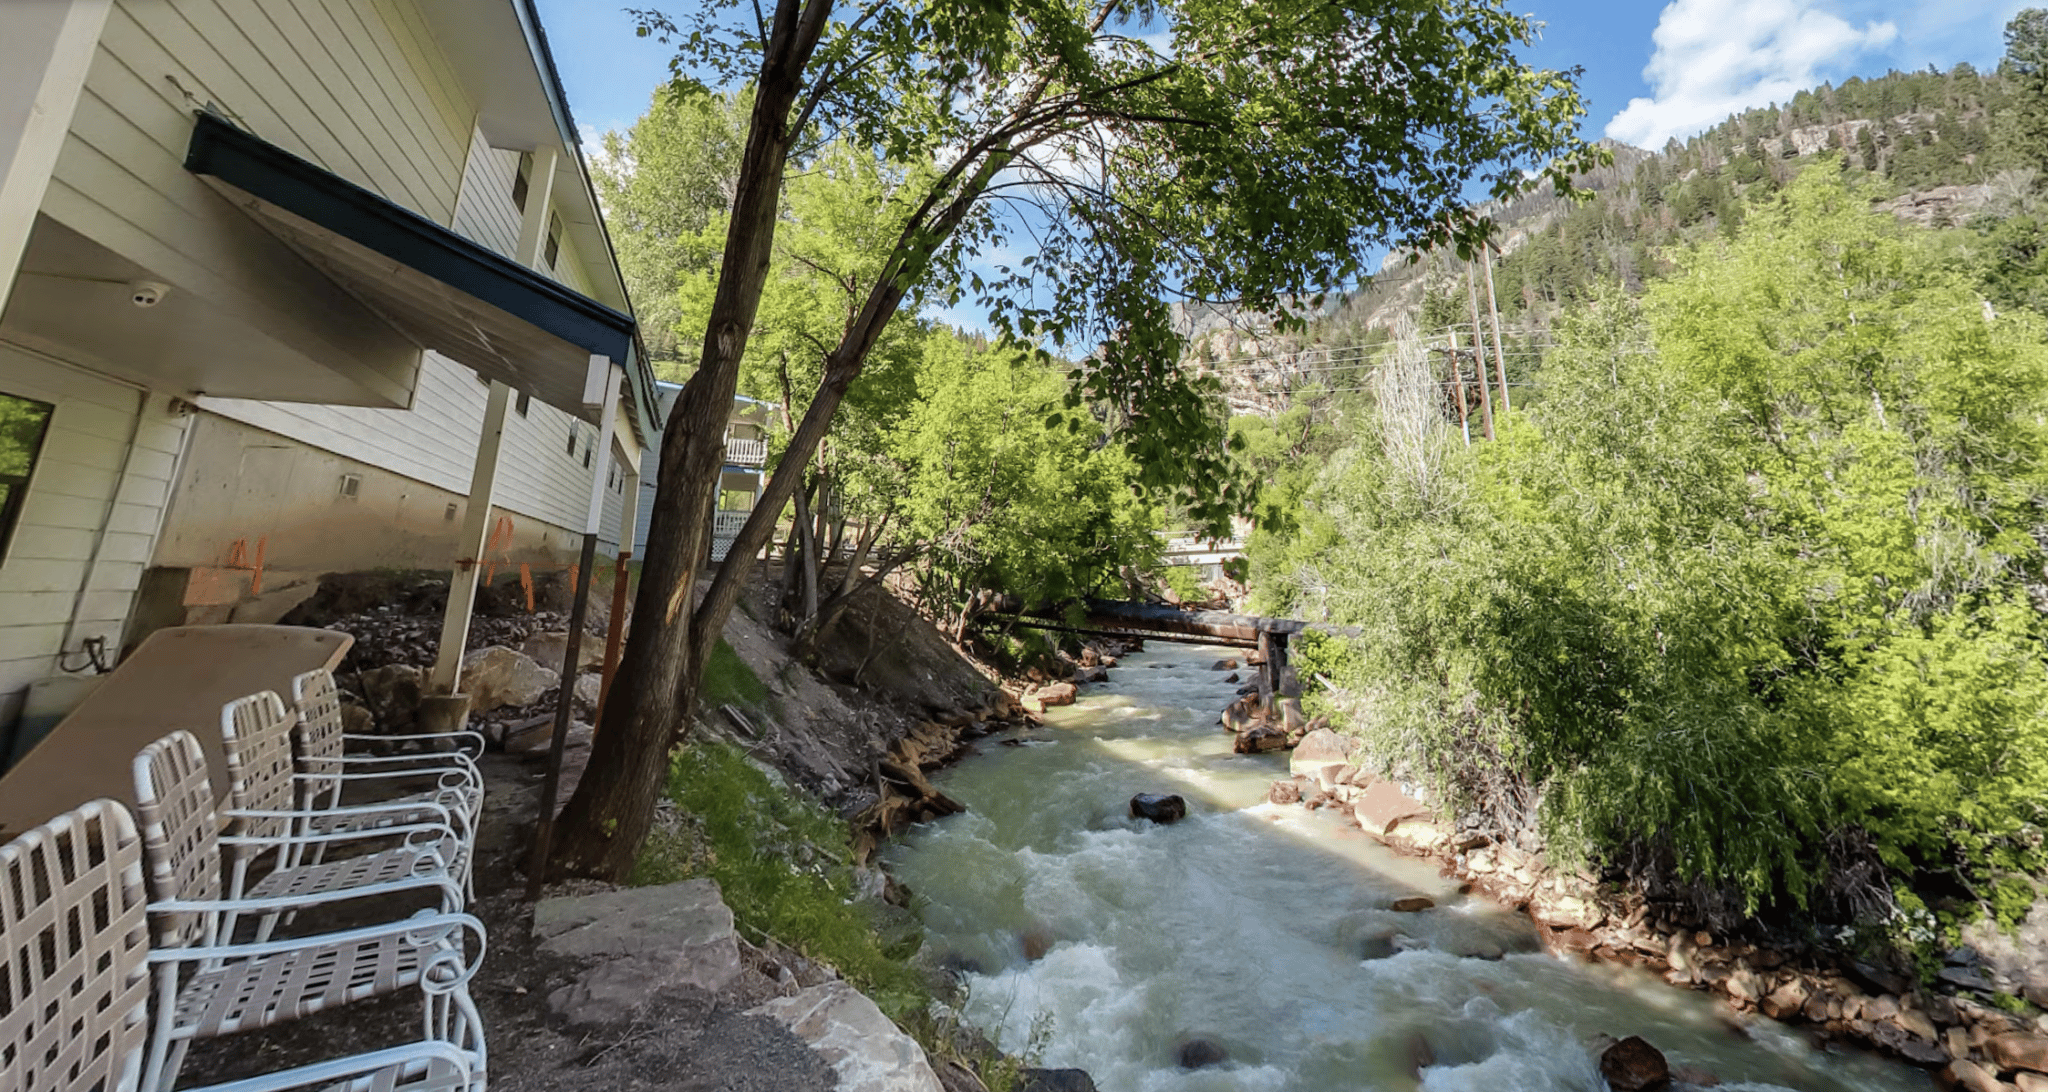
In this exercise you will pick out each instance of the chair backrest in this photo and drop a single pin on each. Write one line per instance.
(180, 834)
(256, 738)
(320, 724)
(74, 954)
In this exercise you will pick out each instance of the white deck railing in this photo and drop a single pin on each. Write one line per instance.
(725, 526)
(740, 451)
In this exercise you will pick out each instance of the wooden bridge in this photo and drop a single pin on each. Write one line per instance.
(1268, 638)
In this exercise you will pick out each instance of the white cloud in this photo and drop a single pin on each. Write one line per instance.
(1717, 57)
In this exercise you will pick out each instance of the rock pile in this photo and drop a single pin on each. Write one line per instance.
(1980, 1046)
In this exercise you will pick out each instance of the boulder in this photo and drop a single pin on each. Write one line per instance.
(1964, 1075)
(1787, 1000)
(853, 1037)
(1259, 740)
(1633, 1065)
(1200, 1054)
(1224, 665)
(1055, 1080)
(392, 693)
(1061, 693)
(2030, 1082)
(497, 677)
(548, 649)
(1317, 749)
(1383, 805)
(2019, 1050)
(1158, 807)
(639, 941)
(1411, 904)
(1284, 792)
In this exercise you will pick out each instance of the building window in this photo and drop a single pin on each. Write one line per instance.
(572, 440)
(519, 182)
(554, 249)
(23, 424)
(524, 403)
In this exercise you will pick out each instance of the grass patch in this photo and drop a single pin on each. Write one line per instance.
(729, 681)
(785, 865)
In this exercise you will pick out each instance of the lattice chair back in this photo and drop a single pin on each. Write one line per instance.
(74, 950)
(256, 737)
(180, 835)
(320, 726)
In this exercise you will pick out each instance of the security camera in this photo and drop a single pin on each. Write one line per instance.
(147, 293)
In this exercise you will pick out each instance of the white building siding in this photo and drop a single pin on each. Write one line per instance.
(485, 212)
(87, 475)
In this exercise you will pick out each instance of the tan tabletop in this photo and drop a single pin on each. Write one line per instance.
(177, 678)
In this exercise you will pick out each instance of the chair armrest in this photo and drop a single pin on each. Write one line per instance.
(341, 1071)
(452, 897)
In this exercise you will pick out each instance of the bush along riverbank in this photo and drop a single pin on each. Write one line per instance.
(1973, 1013)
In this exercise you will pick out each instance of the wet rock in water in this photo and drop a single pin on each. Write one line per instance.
(1633, 1065)
(1200, 1054)
(1159, 807)
(1055, 1080)
(1317, 749)
(1037, 941)
(1380, 945)
(1055, 694)
(1092, 675)
(1232, 677)
(1695, 1076)
(1284, 792)
(497, 677)
(1412, 904)
(1420, 1055)
(1224, 665)
(1260, 740)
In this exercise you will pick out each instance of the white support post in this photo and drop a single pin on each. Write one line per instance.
(45, 50)
(607, 423)
(533, 223)
(469, 549)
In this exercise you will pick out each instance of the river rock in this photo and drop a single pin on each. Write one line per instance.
(1259, 740)
(547, 649)
(1232, 677)
(1061, 693)
(1091, 675)
(1055, 1080)
(1200, 1054)
(860, 1044)
(1224, 665)
(1411, 904)
(2019, 1050)
(1284, 792)
(640, 941)
(1633, 1065)
(1317, 749)
(497, 677)
(1964, 1075)
(1159, 807)
(1694, 1076)
(1383, 805)
(1787, 1000)
(2030, 1082)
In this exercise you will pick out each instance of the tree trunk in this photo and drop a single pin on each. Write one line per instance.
(806, 527)
(655, 693)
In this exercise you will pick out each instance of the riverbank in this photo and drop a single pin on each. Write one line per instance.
(1954, 1031)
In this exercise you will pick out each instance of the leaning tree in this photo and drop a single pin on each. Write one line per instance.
(1088, 164)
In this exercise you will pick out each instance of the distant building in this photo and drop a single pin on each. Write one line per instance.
(740, 481)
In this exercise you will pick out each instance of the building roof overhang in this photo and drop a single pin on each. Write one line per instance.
(443, 291)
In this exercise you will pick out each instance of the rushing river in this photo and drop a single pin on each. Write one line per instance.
(1264, 930)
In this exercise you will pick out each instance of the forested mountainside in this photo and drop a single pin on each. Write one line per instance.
(1747, 601)
(1941, 149)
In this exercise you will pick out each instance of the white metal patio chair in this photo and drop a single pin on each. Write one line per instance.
(265, 805)
(327, 770)
(207, 985)
(74, 976)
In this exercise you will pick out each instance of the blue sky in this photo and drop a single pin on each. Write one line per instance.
(1652, 69)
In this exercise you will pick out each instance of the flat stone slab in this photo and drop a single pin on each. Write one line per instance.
(861, 1045)
(640, 941)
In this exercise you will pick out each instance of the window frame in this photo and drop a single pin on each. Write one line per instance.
(17, 494)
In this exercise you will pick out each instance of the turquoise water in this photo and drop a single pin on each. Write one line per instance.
(1245, 925)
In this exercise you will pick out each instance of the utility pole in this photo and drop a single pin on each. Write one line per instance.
(1479, 353)
(1458, 385)
(1500, 360)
